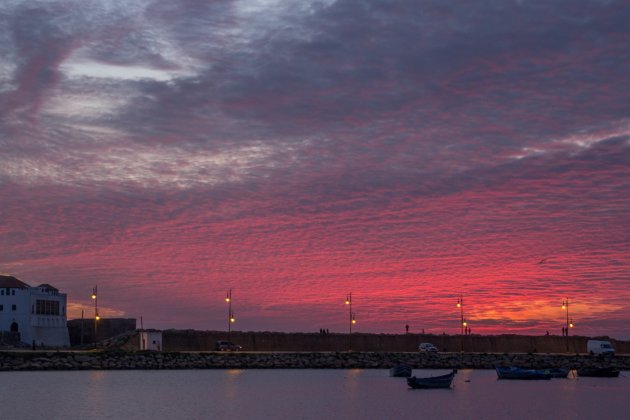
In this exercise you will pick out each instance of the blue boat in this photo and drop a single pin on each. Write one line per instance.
(442, 381)
(513, 372)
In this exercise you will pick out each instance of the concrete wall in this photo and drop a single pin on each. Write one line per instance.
(191, 340)
(107, 328)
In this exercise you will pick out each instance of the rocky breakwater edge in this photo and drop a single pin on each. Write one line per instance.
(121, 360)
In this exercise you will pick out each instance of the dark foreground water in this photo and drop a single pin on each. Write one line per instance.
(303, 394)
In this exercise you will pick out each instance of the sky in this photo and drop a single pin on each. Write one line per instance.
(295, 151)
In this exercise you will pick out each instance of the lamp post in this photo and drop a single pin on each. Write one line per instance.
(460, 305)
(96, 316)
(462, 321)
(351, 319)
(569, 322)
(231, 319)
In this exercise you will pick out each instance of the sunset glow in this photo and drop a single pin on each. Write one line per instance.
(293, 151)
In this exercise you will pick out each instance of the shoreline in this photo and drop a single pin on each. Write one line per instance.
(150, 360)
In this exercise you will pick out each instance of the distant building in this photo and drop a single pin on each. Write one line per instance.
(82, 330)
(37, 314)
(150, 340)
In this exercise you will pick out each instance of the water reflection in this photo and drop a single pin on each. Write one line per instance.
(307, 394)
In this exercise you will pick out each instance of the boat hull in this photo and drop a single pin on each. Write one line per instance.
(523, 374)
(598, 372)
(437, 382)
(559, 372)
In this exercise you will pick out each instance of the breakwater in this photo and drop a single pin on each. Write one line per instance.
(113, 360)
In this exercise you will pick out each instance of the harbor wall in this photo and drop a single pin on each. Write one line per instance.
(81, 331)
(192, 340)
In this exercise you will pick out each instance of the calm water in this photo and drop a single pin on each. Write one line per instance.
(303, 394)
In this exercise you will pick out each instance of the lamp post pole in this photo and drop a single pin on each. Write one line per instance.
(231, 319)
(462, 321)
(351, 319)
(569, 321)
(96, 316)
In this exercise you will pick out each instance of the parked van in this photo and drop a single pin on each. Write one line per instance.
(428, 347)
(599, 347)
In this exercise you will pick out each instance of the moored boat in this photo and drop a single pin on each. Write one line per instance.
(598, 372)
(513, 372)
(402, 370)
(442, 381)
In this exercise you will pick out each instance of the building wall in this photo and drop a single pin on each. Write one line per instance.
(15, 307)
(19, 306)
(48, 329)
(150, 340)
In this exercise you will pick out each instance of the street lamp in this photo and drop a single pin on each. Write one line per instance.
(352, 319)
(462, 321)
(96, 316)
(569, 322)
(460, 305)
(231, 319)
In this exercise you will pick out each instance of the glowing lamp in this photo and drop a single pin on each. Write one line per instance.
(93, 295)
(354, 321)
(232, 319)
(98, 317)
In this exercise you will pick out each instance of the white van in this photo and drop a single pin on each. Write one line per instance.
(599, 347)
(427, 347)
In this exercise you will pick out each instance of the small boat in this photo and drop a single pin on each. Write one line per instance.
(402, 370)
(513, 372)
(442, 381)
(598, 372)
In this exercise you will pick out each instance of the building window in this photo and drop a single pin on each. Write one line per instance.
(2, 292)
(13, 292)
(1, 307)
(14, 307)
(47, 307)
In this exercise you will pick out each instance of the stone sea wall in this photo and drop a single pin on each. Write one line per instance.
(119, 360)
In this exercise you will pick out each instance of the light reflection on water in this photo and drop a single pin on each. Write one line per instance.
(302, 394)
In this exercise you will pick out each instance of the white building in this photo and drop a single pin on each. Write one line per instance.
(150, 340)
(37, 313)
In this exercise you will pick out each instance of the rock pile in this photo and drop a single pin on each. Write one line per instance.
(118, 359)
